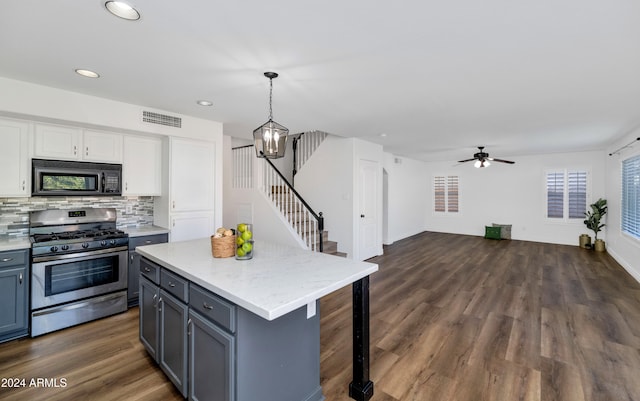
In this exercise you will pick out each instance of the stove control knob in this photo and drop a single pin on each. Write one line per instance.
(65, 247)
(54, 249)
(85, 245)
(112, 242)
(103, 243)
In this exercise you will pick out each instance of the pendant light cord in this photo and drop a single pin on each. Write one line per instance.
(270, 98)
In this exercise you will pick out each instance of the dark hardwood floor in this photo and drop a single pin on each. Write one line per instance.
(453, 318)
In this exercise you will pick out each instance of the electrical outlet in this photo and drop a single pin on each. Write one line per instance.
(128, 209)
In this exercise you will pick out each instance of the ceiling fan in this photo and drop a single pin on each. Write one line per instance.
(482, 159)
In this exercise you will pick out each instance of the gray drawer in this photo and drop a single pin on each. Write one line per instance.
(213, 307)
(147, 240)
(14, 258)
(175, 285)
(150, 270)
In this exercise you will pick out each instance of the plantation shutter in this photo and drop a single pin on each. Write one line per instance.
(631, 196)
(577, 186)
(555, 194)
(439, 194)
(452, 194)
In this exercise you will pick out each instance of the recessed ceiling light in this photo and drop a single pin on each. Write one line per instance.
(205, 103)
(87, 73)
(122, 10)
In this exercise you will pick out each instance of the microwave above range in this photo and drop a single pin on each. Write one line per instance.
(70, 178)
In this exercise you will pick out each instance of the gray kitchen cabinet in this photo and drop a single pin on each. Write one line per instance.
(163, 320)
(173, 340)
(149, 316)
(211, 361)
(134, 264)
(14, 294)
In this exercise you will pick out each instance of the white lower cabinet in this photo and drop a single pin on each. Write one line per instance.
(186, 226)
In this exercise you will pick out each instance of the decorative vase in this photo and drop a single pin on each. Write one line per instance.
(244, 241)
(599, 245)
(584, 241)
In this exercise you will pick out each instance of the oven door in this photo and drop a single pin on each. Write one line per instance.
(77, 276)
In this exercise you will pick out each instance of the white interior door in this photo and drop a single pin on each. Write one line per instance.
(368, 198)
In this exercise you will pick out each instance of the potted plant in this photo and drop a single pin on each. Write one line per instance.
(592, 221)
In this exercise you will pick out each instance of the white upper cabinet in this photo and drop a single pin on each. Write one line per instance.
(105, 147)
(71, 143)
(142, 166)
(14, 158)
(192, 175)
(57, 142)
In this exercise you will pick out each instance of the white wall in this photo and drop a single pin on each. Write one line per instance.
(407, 194)
(625, 249)
(42, 103)
(513, 194)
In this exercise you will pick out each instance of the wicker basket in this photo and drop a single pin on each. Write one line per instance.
(224, 247)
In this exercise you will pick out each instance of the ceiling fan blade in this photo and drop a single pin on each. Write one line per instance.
(467, 160)
(503, 161)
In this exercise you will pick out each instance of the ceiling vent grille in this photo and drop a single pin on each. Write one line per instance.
(162, 119)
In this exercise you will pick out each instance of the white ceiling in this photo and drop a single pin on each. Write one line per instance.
(438, 78)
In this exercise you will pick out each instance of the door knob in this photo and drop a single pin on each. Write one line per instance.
(362, 216)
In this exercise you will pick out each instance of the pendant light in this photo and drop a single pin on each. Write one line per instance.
(270, 138)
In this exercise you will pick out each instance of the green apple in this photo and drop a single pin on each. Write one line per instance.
(242, 227)
(247, 247)
(240, 252)
(239, 241)
(247, 235)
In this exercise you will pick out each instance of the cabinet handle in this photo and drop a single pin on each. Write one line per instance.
(189, 324)
(173, 204)
(20, 278)
(148, 241)
(147, 269)
(87, 151)
(131, 257)
(155, 304)
(75, 150)
(7, 259)
(24, 183)
(160, 301)
(208, 307)
(171, 284)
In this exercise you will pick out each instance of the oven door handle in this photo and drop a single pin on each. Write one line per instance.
(78, 255)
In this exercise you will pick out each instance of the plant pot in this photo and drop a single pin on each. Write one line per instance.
(599, 245)
(584, 241)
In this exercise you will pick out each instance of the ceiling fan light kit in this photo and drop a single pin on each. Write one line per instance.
(482, 159)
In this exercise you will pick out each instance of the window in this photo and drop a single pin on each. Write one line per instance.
(631, 196)
(445, 192)
(567, 194)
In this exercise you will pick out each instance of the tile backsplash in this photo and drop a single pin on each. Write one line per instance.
(14, 212)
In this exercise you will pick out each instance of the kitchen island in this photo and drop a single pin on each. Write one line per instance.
(266, 320)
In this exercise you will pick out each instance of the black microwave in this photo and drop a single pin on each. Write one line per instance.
(70, 178)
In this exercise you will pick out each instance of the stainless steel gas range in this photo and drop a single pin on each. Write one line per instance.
(79, 267)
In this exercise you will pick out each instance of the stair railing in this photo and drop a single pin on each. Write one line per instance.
(243, 166)
(308, 224)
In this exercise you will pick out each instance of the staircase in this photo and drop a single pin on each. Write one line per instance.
(304, 222)
(299, 219)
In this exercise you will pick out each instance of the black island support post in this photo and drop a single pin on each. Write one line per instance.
(361, 388)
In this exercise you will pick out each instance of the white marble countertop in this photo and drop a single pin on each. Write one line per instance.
(144, 230)
(278, 280)
(12, 243)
